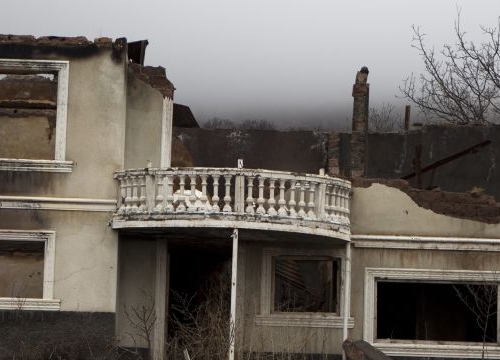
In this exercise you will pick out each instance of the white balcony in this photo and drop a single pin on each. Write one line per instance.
(228, 198)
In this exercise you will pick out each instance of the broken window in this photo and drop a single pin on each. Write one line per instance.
(27, 270)
(21, 273)
(33, 110)
(305, 284)
(28, 106)
(437, 311)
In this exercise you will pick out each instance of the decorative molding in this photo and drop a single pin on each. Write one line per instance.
(221, 220)
(36, 165)
(425, 243)
(457, 351)
(414, 348)
(54, 203)
(303, 320)
(49, 238)
(39, 66)
(22, 304)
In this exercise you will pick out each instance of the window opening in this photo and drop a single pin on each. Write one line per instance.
(28, 112)
(305, 284)
(437, 311)
(21, 273)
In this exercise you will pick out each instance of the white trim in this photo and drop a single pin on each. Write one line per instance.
(416, 348)
(425, 243)
(303, 320)
(234, 287)
(322, 320)
(166, 132)
(186, 220)
(160, 300)
(30, 304)
(36, 165)
(38, 66)
(49, 238)
(55, 203)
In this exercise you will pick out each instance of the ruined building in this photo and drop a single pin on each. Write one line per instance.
(101, 238)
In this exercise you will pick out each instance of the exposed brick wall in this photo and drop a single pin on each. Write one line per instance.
(470, 205)
(54, 40)
(333, 153)
(155, 76)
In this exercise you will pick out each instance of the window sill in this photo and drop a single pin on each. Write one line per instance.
(437, 349)
(30, 304)
(36, 165)
(304, 320)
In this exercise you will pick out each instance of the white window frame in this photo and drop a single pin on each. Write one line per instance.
(47, 302)
(424, 348)
(59, 163)
(298, 319)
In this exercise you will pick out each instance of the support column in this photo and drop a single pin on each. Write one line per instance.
(347, 295)
(234, 274)
(166, 132)
(161, 294)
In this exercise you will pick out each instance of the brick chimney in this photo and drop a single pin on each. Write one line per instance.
(361, 95)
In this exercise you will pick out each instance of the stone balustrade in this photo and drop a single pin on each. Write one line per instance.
(251, 194)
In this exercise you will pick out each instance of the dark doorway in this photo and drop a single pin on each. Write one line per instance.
(199, 300)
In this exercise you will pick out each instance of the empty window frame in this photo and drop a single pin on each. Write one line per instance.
(405, 311)
(27, 271)
(33, 115)
(301, 288)
(433, 311)
(305, 284)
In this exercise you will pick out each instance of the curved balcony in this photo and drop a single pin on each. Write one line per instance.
(228, 198)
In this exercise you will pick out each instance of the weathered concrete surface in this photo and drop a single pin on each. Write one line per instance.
(297, 151)
(143, 128)
(380, 209)
(85, 255)
(391, 156)
(466, 205)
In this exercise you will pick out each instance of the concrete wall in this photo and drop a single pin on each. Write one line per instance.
(143, 131)
(86, 246)
(383, 210)
(391, 156)
(276, 339)
(298, 151)
(409, 259)
(95, 135)
(380, 209)
(137, 258)
(85, 255)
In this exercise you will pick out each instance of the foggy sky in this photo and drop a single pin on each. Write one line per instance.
(286, 61)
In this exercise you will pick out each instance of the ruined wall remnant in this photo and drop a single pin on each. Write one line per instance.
(466, 205)
(392, 156)
(154, 76)
(360, 93)
(297, 151)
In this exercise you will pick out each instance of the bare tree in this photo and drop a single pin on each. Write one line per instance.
(461, 84)
(384, 120)
(481, 300)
